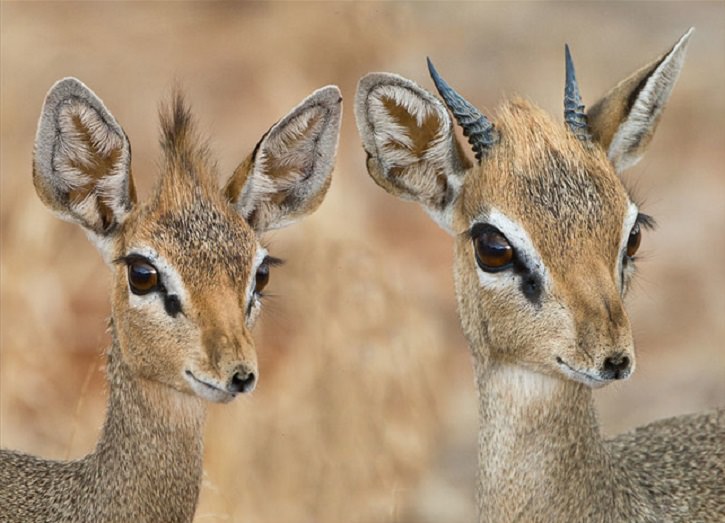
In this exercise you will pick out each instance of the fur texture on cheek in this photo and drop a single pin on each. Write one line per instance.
(511, 333)
(502, 324)
(471, 312)
(155, 345)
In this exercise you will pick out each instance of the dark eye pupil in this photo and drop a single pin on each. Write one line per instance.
(493, 251)
(262, 278)
(142, 277)
(141, 274)
(635, 238)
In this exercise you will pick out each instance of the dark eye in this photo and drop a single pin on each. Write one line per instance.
(261, 279)
(493, 251)
(635, 238)
(142, 277)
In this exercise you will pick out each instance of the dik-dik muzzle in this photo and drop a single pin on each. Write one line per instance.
(229, 367)
(226, 364)
(602, 348)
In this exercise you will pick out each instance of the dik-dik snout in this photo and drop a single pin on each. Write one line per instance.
(234, 355)
(226, 364)
(602, 349)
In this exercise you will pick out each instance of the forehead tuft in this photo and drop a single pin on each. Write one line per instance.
(208, 238)
(188, 220)
(200, 234)
(187, 159)
(562, 190)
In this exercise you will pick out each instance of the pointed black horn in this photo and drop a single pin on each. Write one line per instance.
(480, 132)
(574, 115)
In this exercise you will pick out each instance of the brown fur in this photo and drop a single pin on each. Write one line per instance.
(165, 359)
(541, 331)
(573, 206)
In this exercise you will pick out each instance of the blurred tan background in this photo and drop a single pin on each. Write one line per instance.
(366, 409)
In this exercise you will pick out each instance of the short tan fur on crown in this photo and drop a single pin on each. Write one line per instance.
(188, 276)
(545, 248)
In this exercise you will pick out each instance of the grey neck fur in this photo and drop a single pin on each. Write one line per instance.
(147, 464)
(540, 452)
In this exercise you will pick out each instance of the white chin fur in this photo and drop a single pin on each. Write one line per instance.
(588, 380)
(208, 391)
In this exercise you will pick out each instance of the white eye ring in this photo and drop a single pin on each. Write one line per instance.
(523, 250)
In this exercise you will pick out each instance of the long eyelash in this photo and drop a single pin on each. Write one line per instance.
(269, 261)
(646, 221)
(272, 261)
(129, 258)
(476, 229)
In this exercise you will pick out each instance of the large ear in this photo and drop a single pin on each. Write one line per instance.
(412, 149)
(289, 172)
(624, 120)
(82, 161)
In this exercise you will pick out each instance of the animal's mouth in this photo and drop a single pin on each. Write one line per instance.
(581, 376)
(207, 390)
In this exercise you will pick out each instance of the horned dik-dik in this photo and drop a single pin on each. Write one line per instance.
(546, 241)
(188, 279)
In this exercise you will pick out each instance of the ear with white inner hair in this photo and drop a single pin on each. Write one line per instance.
(289, 172)
(82, 162)
(624, 120)
(412, 149)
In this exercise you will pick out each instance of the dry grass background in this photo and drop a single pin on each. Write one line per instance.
(366, 408)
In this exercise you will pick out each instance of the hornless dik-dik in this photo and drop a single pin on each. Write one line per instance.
(546, 240)
(188, 278)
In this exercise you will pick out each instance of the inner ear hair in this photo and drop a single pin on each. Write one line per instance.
(81, 163)
(408, 136)
(289, 171)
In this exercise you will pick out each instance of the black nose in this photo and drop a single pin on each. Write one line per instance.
(242, 381)
(615, 367)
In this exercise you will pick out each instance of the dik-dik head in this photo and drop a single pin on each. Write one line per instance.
(189, 270)
(545, 233)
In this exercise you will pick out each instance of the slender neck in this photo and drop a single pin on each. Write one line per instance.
(150, 448)
(541, 456)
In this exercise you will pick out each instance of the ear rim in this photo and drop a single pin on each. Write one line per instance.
(44, 172)
(330, 99)
(458, 163)
(626, 146)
